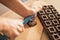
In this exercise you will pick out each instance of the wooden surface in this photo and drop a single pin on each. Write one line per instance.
(27, 34)
(33, 33)
(30, 33)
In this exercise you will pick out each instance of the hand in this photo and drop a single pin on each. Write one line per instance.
(11, 27)
(36, 6)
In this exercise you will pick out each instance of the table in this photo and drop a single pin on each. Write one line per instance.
(26, 35)
(30, 33)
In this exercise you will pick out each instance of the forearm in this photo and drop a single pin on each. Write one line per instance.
(17, 7)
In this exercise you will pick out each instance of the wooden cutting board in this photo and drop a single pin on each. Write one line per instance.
(30, 33)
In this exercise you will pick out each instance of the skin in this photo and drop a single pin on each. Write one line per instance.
(14, 26)
(18, 7)
(11, 27)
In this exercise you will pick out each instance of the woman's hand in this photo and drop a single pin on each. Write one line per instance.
(11, 27)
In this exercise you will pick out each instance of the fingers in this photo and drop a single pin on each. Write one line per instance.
(20, 22)
(36, 9)
(21, 25)
(12, 28)
(16, 32)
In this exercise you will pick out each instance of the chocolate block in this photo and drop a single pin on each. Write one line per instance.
(50, 19)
